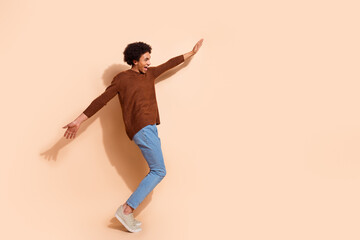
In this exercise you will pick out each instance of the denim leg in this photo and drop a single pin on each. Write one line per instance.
(149, 143)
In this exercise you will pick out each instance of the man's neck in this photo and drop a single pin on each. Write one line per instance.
(135, 69)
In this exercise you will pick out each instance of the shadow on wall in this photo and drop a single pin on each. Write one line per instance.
(122, 153)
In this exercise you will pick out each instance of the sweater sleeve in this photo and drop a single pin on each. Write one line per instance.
(101, 100)
(173, 62)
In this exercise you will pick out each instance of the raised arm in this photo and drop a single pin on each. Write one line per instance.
(173, 62)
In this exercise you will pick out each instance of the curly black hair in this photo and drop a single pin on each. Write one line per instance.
(133, 51)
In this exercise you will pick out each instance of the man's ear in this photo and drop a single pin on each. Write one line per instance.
(135, 62)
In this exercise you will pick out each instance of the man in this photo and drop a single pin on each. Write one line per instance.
(135, 88)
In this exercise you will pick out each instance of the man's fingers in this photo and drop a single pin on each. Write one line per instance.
(68, 135)
(198, 45)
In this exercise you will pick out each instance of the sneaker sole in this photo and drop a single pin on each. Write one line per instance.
(125, 225)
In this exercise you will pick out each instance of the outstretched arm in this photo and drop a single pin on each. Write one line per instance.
(95, 106)
(195, 49)
(175, 61)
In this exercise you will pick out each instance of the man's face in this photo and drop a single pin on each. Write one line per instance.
(143, 63)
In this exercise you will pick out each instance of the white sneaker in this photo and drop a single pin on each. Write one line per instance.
(127, 220)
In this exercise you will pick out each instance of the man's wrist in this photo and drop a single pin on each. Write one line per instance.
(80, 119)
(189, 54)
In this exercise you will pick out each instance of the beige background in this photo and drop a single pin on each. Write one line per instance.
(260, 130)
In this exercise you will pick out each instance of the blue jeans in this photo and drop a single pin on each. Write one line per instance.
(149, 143)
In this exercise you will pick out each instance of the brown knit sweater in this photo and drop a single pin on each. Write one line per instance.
(137, 96)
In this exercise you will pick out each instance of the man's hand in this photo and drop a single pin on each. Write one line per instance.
(195, 49)
(197, 46)
(74, 126)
